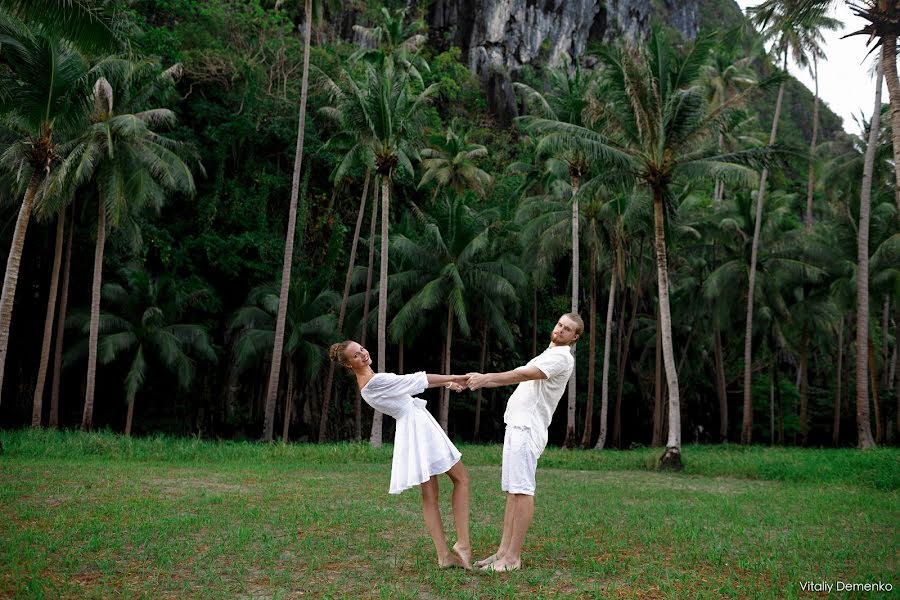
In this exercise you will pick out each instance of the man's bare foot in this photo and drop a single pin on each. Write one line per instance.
(487, 561)
(503, 565)
(465, 555)
(451, 561)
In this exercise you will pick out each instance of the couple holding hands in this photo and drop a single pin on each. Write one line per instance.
(422, 450)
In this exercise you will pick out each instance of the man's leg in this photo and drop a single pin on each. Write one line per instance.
(523, 511)
(435, 526)
(508, 511)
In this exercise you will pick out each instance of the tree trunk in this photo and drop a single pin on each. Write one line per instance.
(720, 386)
(671, 459)
(810, 180)
(534, 323)
(11, 277)
(277, 351)
(889, 63)
(885, 350)
(873, 377)
(478, 394)
(375, 438)
(130, 416)
(622, 355)
(38, 402)
(804, 386)
(604, 393)
(772, 408)
(836, 432)
(592, 354)
(863, 427)
(87, 417)
(445, 393)
(657, 402)
(60, 329)
(747, 426)
(364, 329)
(289, 403)
(615, 441)
(576, 278)
(329, 380)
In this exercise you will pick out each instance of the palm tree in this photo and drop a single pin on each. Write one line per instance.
(132, 166)
(454, 266)
(449, 165)
(278, 342)
(309, 326)
(388, 113)
(393, 38)
(568, 104)
(41, 100)
(658, 128)
(142, 328)
(883, 18)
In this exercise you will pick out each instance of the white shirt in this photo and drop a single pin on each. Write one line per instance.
(533, 402)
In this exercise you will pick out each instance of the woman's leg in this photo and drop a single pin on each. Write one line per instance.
(433, 523)
(460, 502)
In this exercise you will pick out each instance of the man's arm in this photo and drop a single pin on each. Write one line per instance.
(491, 380)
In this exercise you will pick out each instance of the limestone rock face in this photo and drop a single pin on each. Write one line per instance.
(499, 37)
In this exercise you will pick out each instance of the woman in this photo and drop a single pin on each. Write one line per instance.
(421, 448)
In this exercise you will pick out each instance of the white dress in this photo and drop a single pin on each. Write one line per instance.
(421, 448)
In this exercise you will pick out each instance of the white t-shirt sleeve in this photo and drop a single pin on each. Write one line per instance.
(391, 384)
(552, 364)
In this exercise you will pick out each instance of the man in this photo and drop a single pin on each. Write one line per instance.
(528, 413)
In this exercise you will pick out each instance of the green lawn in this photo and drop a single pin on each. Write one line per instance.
(95, 516)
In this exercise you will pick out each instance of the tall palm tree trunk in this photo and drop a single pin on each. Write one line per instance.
(889, 63)
(671, 458)
(721, 389)
(873, 379)
(657, 387)
(87, 417)
(130, 416)
(804, 386)
(604, 393)
(38, 402)
(478, 395)
(378, 418)
(60, 329)
(836, 431)
(445, 393)
(277, 350)
(329, 380)
(592, 354)
(289, 401)
(364, 328)
(863, 427)
(810, 180)
(11, 277)
(622, 355)
(576, 277)
(885, 350)
(747, 426)
(772, 409)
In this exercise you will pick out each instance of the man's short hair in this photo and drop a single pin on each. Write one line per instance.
(579, 324)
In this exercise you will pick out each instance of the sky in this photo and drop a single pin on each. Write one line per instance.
(844, 80)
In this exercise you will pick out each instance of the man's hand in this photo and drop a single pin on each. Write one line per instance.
(477, 381)
(458, 384)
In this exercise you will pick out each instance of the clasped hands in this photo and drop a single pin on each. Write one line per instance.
(471, 381)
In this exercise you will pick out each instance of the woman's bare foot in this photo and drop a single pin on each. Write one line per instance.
(451, 561)
(487, 561)
(503, 565)
(465, 555)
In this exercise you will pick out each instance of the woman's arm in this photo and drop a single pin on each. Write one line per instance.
(435, 380)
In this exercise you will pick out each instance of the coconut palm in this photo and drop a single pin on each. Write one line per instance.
(309, 326)
(449, 164)
(454, 265)
(395, 39)
(132, 166)
(278, 342)
(41, 99)
(142, 327)
(389, 113)
(568, 103)
(658, 128)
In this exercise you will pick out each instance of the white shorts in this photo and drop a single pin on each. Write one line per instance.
(519, 461)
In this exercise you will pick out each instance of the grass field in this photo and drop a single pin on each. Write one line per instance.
(98, 516)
